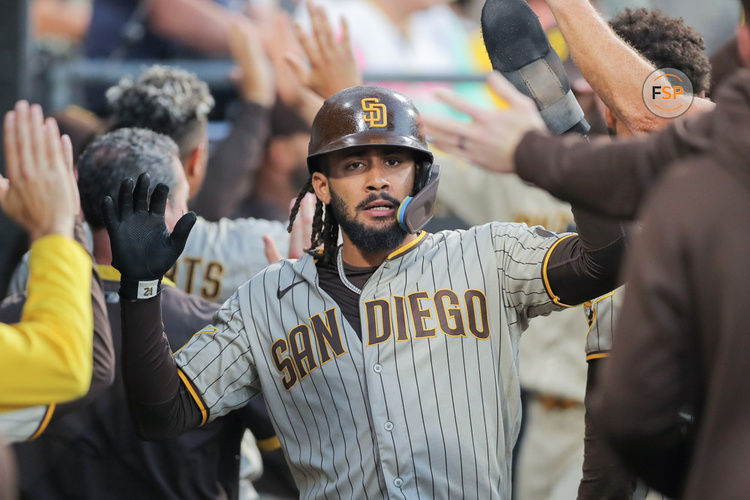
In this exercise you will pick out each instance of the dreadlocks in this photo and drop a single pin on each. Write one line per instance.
(325, 227)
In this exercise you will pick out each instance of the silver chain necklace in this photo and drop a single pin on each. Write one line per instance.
(342, 275)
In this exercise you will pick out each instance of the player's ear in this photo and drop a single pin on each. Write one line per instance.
(321, 187)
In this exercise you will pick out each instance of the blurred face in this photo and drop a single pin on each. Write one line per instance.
(178, 197)
(364, 187)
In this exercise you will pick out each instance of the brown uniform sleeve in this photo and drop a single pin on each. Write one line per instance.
(646, 392)
(608, 177)
(232, 167)
(587, 266)
(160, 402)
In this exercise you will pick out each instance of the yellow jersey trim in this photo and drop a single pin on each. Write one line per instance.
(194, 394)
(598, 355)
(45, 422)
(109, 273)
(552, 295)
(408, 246)
(269, 444)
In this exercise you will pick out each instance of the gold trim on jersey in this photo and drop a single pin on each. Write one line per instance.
(44, 423)
(109, 273)
(547, 287)
(597, 355)
(408, 246)
(268, 444)
(194, 394)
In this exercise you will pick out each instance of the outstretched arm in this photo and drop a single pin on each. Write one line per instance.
(606, 177)
(614, 70)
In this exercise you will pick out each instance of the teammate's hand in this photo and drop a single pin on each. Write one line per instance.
(254, 75)
(300, 236)
(490, 139)
(332, 66)
(142, 248)
(40, 193)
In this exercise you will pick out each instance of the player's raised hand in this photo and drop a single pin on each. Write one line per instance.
(39, 193)
(490, 139)
(254, 75)
(142, 248)
(332, 66)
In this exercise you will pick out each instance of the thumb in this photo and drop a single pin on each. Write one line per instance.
(182, 230)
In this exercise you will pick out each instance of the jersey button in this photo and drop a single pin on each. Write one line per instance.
(377, 368)
(388, 426)
(398, 482)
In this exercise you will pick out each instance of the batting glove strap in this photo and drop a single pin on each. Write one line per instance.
(138, 289)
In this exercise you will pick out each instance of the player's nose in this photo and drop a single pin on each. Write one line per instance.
(377, 178)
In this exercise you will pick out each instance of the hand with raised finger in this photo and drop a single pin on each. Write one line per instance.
(142, 248)
(332, 66)
(490, 139)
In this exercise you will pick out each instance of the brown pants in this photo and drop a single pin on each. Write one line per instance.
(603, 476)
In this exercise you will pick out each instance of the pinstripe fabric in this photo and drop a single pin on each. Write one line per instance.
(602, 315)
(426, 405)
(20, 425)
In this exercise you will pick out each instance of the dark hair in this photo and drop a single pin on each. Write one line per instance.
(126, 152)
(325, 227)
(746, 8)
(170, 101)
(667, 42)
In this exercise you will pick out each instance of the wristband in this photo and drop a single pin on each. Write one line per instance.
(139, 290)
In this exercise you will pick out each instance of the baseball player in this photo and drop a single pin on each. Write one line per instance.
(388, 363)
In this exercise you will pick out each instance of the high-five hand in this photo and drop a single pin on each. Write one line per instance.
(142, 248)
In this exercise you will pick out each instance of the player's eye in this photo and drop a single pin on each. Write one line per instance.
(355, 165)
(393, 162)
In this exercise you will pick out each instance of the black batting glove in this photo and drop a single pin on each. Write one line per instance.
(142, 248)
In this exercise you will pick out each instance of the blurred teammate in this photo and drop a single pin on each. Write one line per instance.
(670, 389)
(93, 452)
(47, 356)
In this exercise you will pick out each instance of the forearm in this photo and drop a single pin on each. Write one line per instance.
(608, 177)
(234, 163)
(159, 401)
(614, 70)
(586, 266)
(197, 24)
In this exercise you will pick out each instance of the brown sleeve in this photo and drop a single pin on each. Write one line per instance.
(646, 390)
(232, 167)
(104, 351)
(160, 403)
(608, 177)
(587, 266)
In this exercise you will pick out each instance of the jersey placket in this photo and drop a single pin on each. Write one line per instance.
(387, 417)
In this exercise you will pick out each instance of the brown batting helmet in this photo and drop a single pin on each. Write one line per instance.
(365, 116)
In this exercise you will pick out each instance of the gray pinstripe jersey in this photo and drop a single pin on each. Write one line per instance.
(218, 257)
(20, 425)
(426, 405)
(602, 315)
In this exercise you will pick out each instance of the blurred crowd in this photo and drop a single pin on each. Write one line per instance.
(236, 156)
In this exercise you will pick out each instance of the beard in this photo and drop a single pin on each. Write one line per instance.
(369, 240)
